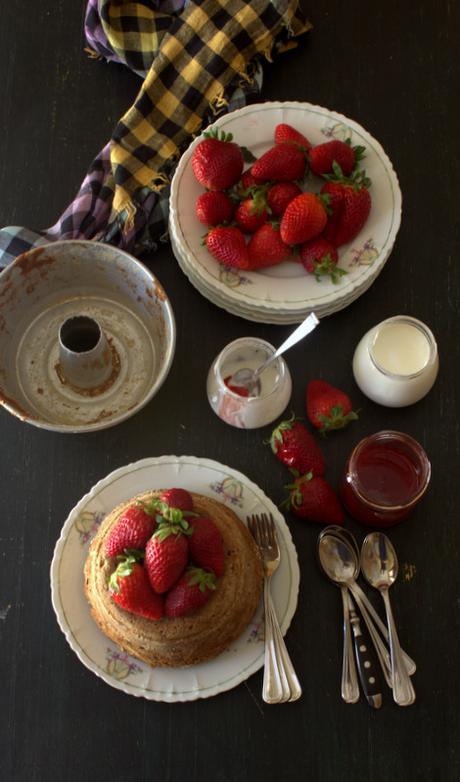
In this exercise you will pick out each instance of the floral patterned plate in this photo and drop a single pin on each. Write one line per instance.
(102, 656)
(287, 289)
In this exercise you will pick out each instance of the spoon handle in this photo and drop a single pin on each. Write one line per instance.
(403, 691)
(380, 648)
(357, 591)
(349, 686)
(365, 660)
(310, 323)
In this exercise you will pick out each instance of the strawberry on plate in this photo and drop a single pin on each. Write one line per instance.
(305, 217)
(312, 498)
(328, 407)
(217, 161)
(323, 156)
(206, 545)
(280, 195)
(252, 212)
(228, 246)
(320, 257)
(191, 592)
(295, 446)
(166, 555)
(132, 530)
(266, 248)
(214, 207)
(129, 587)
(286, 134)
(177, 498)
(351, 205)
(282, 163)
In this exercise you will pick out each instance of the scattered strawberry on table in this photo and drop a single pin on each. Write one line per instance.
(168, 558)
(328, 407)
(295, 446)
(311, 497)
(278, 186)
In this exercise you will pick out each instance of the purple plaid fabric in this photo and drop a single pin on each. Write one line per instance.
(87, 217)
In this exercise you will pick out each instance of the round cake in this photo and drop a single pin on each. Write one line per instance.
(185, 640)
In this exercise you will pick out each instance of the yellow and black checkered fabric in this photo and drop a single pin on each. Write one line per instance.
(204, 49)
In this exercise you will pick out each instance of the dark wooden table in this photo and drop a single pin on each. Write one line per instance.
(394, 68)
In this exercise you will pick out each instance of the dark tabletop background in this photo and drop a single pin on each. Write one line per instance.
(395, 70)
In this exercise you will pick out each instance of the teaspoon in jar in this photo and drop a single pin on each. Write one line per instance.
(249, 378)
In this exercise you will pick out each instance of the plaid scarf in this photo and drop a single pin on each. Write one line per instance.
(197, 60)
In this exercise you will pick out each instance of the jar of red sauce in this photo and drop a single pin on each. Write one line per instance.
(386, 475)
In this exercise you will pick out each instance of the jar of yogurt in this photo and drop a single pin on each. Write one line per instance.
(396, 362)
(233, 404)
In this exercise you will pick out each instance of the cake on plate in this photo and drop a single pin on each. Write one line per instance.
(178, 635)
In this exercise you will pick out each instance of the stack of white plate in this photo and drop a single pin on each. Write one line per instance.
(287, 293)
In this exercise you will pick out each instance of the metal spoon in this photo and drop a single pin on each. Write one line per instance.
(380, 568)
(340, 568)
(362, 601)
(370, 615)
(249, 378)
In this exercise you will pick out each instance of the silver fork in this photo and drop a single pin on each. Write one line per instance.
(280, 680)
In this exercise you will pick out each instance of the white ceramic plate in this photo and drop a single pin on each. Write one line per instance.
(258, 314)
(101, 655)
(288, 287)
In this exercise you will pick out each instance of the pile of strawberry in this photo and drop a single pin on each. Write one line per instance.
(169, 557)
(310, 495)
(267, 203)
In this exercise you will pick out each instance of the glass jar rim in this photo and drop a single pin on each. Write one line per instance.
(423, 328)
(388, 435)
(279, 362)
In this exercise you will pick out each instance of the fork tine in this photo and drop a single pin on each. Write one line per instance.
(260, 531)
(272, 530)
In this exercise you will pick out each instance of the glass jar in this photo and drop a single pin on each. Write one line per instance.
(386, 475)
(396, 362)
(248, 412)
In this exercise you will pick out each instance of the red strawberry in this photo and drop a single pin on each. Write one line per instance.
(295, 446)
(132, 530)
(166, 555)
(312, 498)
(252, 213)
(305, 217)
(283, 163)
(280, 195)
(341, 153)
(320, 257)
(240, 390)
(177, 498)
(191, 592)
(206, 545)
(266, 248)
(214, 207)
(355, 208)
(334, 193)
(130, 588)
(286, 134)
(216, 161)
(247, 181)
(228, 246)
(328, 407)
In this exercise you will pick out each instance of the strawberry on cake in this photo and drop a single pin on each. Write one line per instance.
(173, 577)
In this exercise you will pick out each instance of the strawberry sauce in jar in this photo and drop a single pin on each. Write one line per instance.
(386, 475)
